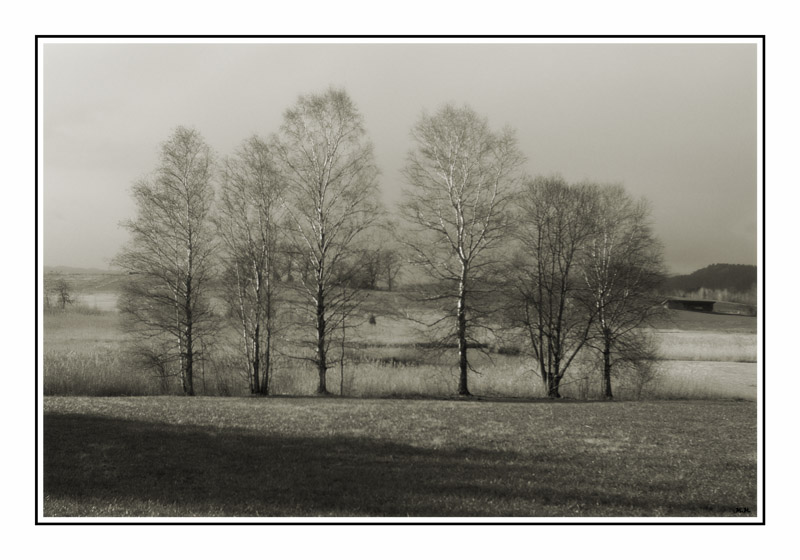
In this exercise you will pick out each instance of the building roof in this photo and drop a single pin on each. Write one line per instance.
(689, 300)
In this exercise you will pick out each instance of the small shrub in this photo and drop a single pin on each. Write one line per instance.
(506, 350)
(638, 379)
(398, 362)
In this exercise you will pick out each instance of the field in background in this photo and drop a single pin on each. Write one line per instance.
(704, 356)
(178, 457)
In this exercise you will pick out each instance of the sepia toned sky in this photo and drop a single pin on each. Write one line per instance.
(675, 123)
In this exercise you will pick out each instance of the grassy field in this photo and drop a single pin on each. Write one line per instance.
(706, 346)
(84, 355)
(695, 321)
(117, 442)
(182, 457)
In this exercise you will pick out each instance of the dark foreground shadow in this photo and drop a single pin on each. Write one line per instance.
(150, 469)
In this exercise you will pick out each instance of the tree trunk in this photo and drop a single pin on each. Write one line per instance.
(554, 378)
(188, 381)
(322, 363)
(553, 383)
(188, 387)
(264, 389)
(256, 387)
(463, 389)
(181, 354)
(344, 337)
(607, 371)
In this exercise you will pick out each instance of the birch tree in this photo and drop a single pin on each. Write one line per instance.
(463, 177)
(169, 257)
(248, 225)
(622, 266)
(330, 199)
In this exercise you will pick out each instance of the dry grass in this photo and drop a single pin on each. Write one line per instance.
(89, 372)
(707, 346)
(707, 380)
(84, 355)
(174, 456)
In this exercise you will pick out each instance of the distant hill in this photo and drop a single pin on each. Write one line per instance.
(732, 277)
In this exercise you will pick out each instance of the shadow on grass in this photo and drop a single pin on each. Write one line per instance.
(147, 469)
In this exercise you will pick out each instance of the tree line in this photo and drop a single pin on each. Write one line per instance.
(297, 218)
(732, 277)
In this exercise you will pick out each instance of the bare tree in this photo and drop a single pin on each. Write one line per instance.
(391, 264)
(463, 177)
(546, 286)
(169, 255)
(248, 226)
(380, 259)
(63, 293)
(331, 198)
(389, 253)
(622, 267)
(370, 269)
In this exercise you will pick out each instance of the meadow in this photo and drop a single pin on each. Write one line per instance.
(702, 356)
(341, 457)
(392, 441)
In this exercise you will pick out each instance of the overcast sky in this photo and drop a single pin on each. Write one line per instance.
(675, 123)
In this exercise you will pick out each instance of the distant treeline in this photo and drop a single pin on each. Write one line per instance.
(722, 282)
(736, 277)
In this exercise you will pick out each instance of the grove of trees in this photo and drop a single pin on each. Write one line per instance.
(291, 231)
(248, 218)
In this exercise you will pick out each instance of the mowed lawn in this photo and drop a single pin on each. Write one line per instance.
(297, 457)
